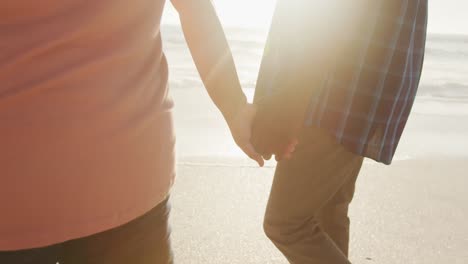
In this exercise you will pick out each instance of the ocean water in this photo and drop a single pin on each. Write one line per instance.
(445, 73)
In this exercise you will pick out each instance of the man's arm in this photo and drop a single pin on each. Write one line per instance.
(287, 78)
(213, 59)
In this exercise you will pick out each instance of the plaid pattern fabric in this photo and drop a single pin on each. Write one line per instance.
(365, 95)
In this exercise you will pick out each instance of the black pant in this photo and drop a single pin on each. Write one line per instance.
(145, 240)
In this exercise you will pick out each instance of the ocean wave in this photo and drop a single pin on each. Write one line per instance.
(447, 38)
(447, 90)
(461, 53)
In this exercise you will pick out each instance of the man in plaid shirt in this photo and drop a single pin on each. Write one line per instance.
(339, 78)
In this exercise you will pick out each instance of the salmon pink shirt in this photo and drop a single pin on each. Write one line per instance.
(86, 133)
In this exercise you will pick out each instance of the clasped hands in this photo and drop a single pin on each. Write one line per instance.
(267, 128)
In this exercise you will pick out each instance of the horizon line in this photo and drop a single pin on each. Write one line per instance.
(260, 28)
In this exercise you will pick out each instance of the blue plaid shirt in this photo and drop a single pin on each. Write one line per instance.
(374, 52)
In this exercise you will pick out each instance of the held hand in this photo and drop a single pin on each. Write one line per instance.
(241, 129)
(275, 131)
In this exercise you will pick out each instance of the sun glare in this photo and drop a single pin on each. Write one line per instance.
(236, 13)
(246, 13)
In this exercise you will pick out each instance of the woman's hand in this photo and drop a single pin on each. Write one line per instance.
(212, 56)
(241, 130)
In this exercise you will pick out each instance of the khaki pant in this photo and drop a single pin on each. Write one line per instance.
(307, 213)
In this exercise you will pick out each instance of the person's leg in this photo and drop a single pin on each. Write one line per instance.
(333, 217)
(142, 241)
(301, 187)
(46, 255)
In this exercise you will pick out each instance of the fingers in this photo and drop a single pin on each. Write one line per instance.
(263, 139)
(270, 137)
(257, 138)
(250, 151)
(271, 145)
(291, 147)
(287, 151)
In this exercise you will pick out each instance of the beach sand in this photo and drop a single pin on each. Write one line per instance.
(413, 211)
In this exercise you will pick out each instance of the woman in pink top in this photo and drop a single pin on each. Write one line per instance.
(86, 136)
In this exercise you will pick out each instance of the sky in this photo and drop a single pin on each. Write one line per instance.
(445, 16)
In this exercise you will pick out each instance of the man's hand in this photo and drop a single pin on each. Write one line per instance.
(241, 128)
(276, 127)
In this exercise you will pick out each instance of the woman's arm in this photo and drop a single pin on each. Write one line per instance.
(213, 59)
